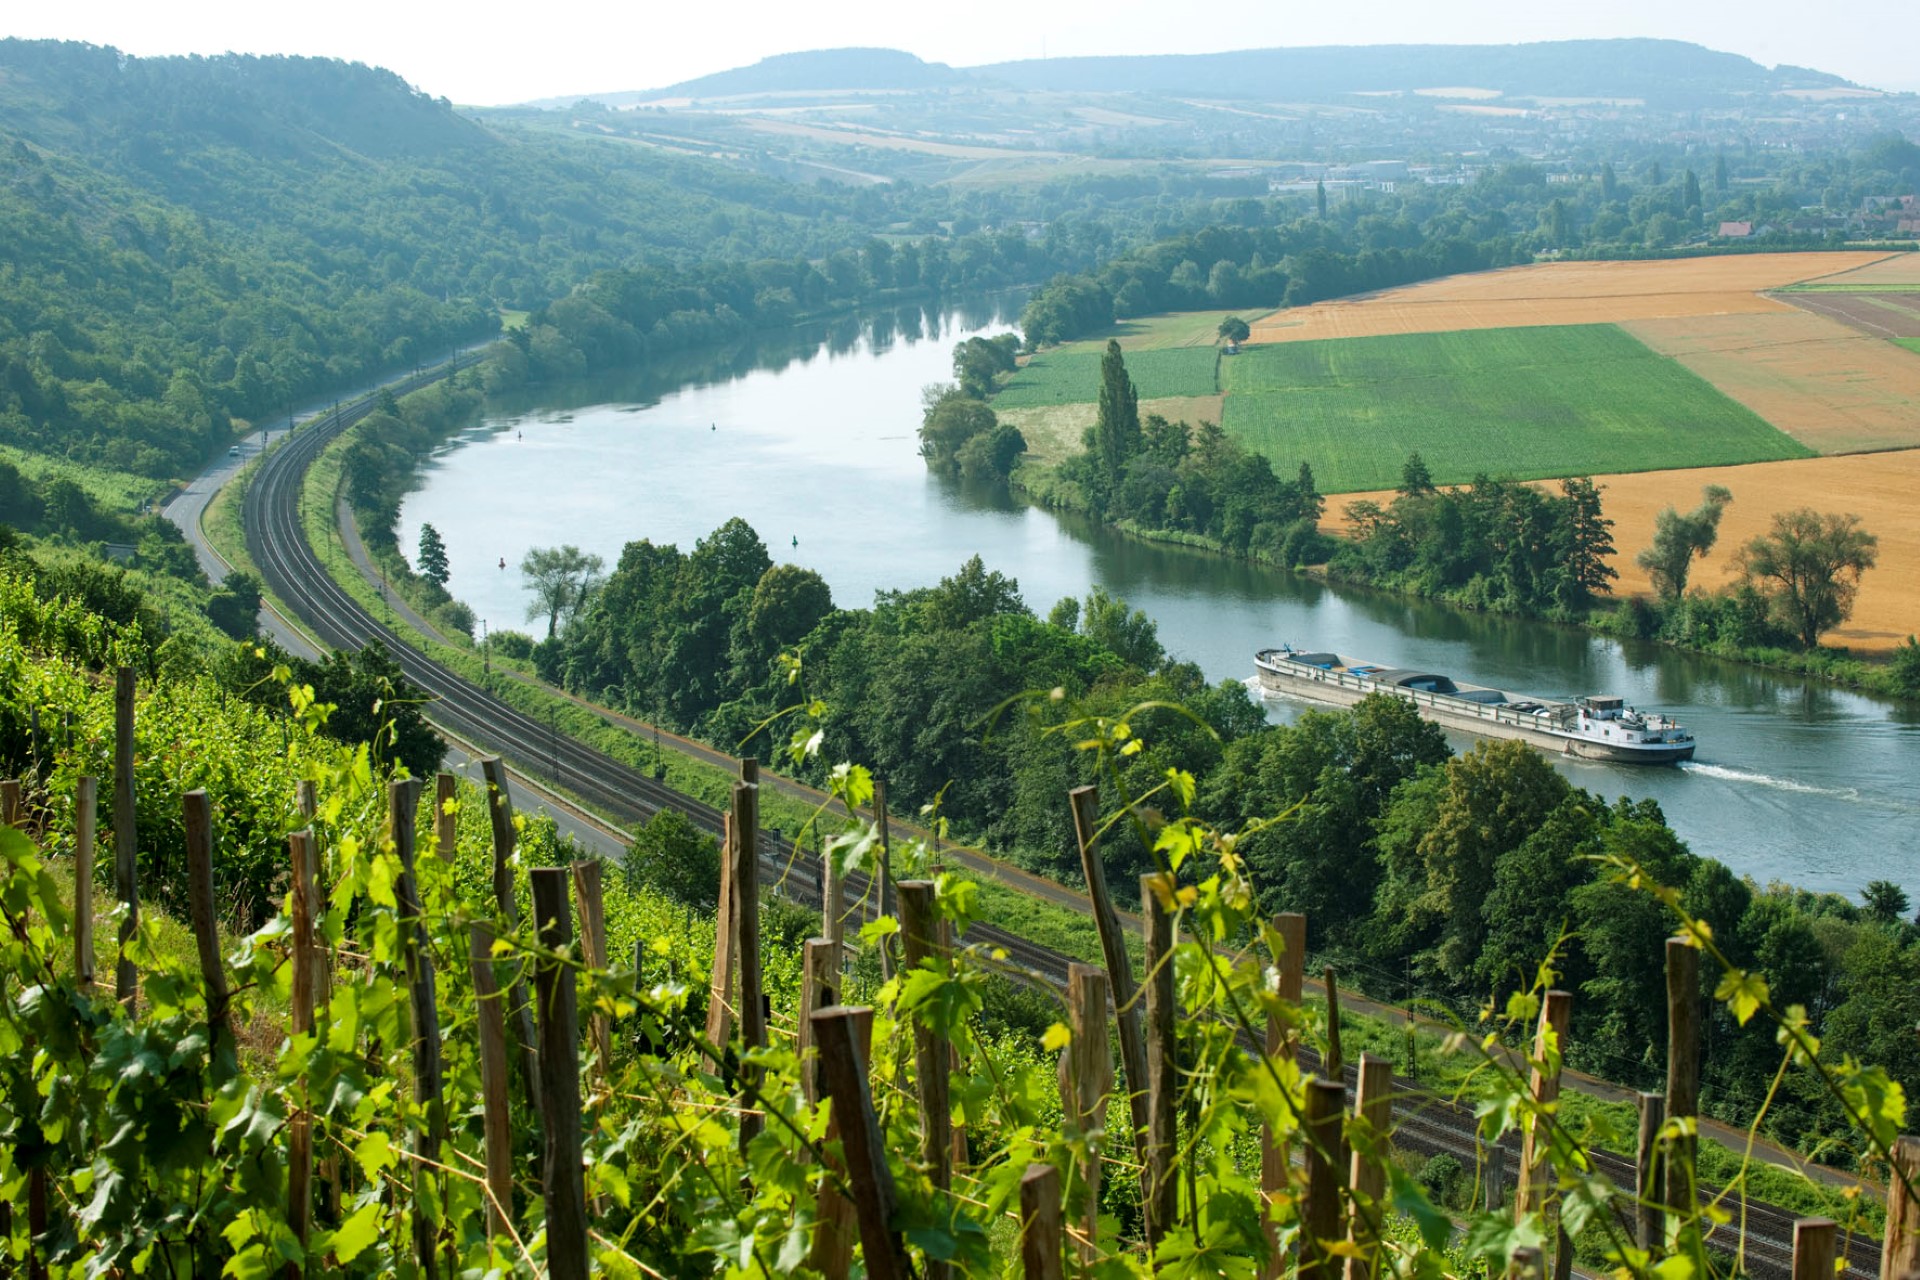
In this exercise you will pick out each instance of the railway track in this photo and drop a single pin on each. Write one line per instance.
(287, 562)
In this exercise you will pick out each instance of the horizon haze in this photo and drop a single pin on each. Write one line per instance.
(588, 49)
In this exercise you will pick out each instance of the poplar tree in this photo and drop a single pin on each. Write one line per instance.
(1116, 427)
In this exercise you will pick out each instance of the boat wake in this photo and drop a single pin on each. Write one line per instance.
(1768, 780)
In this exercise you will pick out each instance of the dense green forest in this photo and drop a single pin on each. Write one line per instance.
(1423, 873)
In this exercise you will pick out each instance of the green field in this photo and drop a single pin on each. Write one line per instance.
(1527, 404)
(1911, 344)
(1070, 376)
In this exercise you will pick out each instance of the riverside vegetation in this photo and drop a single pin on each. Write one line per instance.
(1495, 544)
(176, 1132)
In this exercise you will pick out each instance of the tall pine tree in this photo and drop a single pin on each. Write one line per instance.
(432, 560)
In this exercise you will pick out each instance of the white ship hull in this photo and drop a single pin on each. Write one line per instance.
(1591, 729)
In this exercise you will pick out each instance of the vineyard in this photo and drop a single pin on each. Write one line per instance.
(323, 1025)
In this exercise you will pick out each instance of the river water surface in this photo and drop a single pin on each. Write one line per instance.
(812, 441)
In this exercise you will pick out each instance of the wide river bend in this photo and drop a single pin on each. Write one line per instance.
(811, 438)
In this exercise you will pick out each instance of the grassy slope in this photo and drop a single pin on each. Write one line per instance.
(1525, 403)
(1073, 376)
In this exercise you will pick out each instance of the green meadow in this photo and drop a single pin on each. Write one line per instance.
(1068, 376)
(1524, 403)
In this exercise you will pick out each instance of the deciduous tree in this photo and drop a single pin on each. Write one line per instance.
(1679, 539)
(559, 578)
(1809, 568)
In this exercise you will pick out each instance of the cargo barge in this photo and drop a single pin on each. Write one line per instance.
(1594, 728)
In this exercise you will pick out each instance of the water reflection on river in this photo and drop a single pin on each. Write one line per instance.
(810, 437)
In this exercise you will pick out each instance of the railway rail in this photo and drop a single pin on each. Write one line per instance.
(279, 547)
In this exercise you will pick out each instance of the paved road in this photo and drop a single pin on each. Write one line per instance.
(279, 548)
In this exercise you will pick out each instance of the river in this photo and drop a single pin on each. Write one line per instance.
(811, 438)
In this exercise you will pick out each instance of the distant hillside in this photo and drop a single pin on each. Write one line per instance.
(1651, 69)
(193, 240)
(819, 69)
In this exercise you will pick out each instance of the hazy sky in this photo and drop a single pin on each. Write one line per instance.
(487, 52)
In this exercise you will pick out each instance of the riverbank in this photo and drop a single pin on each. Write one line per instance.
(1888, 672)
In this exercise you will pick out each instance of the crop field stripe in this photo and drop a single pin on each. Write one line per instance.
(1525, 403)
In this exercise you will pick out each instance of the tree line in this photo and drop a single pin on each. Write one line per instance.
(1634, 203)
(1425, 873)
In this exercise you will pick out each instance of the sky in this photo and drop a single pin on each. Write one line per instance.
(489, 52)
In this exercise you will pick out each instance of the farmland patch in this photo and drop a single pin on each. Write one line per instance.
(1523, 403)
(1070, 376)
(1565, 293)
(1833, 388)
(1874, 487)
(1884, 315)
(1054, 432)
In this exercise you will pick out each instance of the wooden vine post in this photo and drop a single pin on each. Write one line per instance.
(86, 816)
(839, 1217)
(920, 936)
(198, 811)
(496, 1118)
(1373, 1107)
(839, 1033)
(126, 873)
(306, 964)
(11, 809)
(1335, 1064)
(1531, 1192)
(1159, 1189)
(1290, 968)
(519, 1011)
(559, 1022)
(1041, 1227)
(403, 799)
(446, 823)
(1647, 1192)
(721, 985)
(1086, 1079)
(745, 829)
(1900, 1250)
(1085, 802)
(1320, 1211)
(1813, 1248)
(883, 883)
(1683, 1075)
(819, 988)
(593, 944)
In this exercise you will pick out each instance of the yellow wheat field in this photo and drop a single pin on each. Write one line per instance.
(1566, 293)
(1831, 387)
(1876, 487)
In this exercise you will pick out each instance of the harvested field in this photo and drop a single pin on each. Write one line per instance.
(1876, 488)
(1054, 432)
(1523, 403)
(1832, 388)
(1884, 315)
(1891, 269)
(1564, 293)
(1070, 376)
